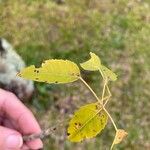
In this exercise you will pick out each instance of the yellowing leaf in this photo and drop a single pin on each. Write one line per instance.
(92, 64)
(52, 71)
(108, 74)
(120, 135)
(87, 122)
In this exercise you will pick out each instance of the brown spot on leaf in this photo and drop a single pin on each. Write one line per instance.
(96, 107)
(68, 134)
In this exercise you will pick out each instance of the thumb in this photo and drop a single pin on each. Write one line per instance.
(10, 139)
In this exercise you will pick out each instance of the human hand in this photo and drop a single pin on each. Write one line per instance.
(15, 121)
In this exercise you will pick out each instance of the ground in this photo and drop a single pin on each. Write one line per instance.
(116, 30)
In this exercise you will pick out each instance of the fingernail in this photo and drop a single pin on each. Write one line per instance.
(14, 141)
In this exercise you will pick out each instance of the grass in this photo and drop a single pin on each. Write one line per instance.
(118, 31)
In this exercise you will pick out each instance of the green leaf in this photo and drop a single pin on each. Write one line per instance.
(52, 71)
(108, 74)
(87, 122)
(120, 135)
(93, 64)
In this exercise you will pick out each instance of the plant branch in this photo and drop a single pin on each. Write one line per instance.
(91, 90)
(105, 82)
(99, 102)
(47, 132)
(104, 89)
(110, 118)
(101, 73)
(108, 91)
(42, 135)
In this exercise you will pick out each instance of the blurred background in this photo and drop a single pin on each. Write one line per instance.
(117, 31)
